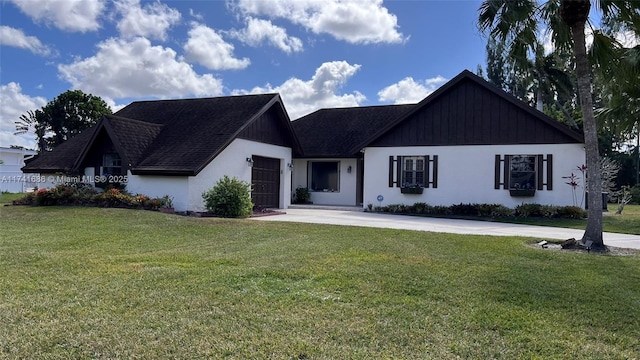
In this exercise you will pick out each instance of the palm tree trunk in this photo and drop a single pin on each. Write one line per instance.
(593, 231)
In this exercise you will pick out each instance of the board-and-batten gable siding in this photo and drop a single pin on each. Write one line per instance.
(101, 145)
(268, 129)
(469, 114)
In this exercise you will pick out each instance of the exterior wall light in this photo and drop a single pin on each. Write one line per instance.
(249, 162)
(290, 166)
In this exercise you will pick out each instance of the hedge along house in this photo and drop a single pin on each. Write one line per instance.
(468, 142)
(181, 148)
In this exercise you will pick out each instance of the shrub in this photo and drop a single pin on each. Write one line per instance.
(501, 211)
(153, 204)
(464, 210)
(549, 211)
(28, 199)
(571, 212)
(230, 197)
(116, 198)
(529, 210)
(302, 195)
(635, 194)
(421, 208)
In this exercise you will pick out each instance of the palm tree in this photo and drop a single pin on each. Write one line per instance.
(30, 122)
(519, 23)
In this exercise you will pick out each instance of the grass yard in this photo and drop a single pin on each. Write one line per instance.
(115, 283)
(627, 223)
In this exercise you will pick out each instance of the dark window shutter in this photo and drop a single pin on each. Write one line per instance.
(496, 177)
(426, 169)
(431, 171)
(398, 171)
(391, 161)
(502, 177)
(549, 170)
(507, 172)
(539, 170)
(395, 176)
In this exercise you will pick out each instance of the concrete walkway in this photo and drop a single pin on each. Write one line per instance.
(359, 218)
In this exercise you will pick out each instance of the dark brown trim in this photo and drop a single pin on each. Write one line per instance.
(391, 171)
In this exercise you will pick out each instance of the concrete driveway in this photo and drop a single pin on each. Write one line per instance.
(359, 218)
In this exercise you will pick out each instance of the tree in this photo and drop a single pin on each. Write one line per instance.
(518, 24)
(29, 123)
(64, 117)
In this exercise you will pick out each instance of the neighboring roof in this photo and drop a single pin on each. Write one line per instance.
(467, 76)
(334, 132)
(170, 137)
(17, 150)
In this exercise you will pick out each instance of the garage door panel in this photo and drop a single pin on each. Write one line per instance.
(265, 182)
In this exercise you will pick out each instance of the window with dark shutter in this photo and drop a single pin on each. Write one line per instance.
(413, 171)
(522, 175)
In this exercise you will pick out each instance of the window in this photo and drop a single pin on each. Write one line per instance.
(111, 164)
(413, 171)
(324, 176)
(522, 172)
(522, 175)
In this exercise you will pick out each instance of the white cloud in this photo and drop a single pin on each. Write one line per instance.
(67, 15)
(193, 14)
(259, 31)
(17, 38)
(303, 97)
(408, 91)
(15, 103)
(208, 48)
(358, 21)
(151, 21)
(627, 39)
(123, 68)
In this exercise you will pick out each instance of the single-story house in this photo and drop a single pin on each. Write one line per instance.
(468, 142)
(12, 179)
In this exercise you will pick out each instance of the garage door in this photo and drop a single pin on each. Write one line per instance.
(265, 182)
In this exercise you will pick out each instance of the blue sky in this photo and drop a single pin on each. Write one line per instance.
(315, 53)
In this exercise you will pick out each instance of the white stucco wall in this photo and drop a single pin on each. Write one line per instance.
(466, 175)
(187, 190)
(232, 162)
(11, 177)
(347, 182)
(177, 187)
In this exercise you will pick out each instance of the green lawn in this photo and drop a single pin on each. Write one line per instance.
(115, 283)
(626, 223)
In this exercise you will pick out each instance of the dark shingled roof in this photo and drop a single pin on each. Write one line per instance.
(335, 132)
(132, 136)
(195, 130)
(169, 137)
(63, 156)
